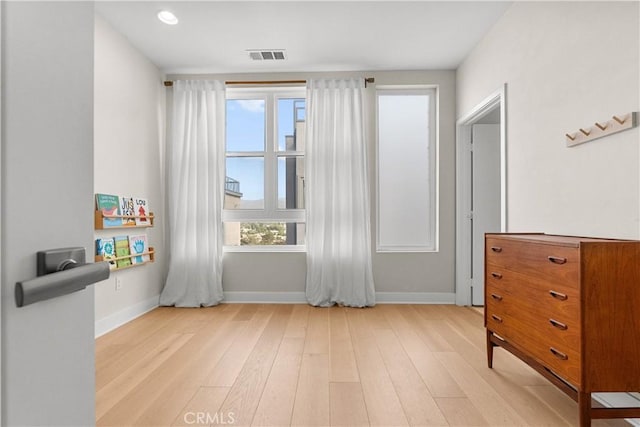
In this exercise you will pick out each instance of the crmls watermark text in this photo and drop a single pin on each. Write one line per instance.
(207, 418)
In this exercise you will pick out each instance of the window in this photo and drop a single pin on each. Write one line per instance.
(264, 185)
(407, 169)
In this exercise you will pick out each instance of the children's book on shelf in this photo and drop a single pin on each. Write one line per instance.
(122, 250)
(141, 209)
(106, 249)
(138, 245)
(127, 208)
(109, 204)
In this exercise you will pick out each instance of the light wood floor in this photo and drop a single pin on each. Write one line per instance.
(279, 365)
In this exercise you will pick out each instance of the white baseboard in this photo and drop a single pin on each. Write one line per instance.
(265, 297)
(381, 297)
(109, 323)
(415, 298)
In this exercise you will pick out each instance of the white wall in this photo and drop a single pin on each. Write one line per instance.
(566, 65)
(48, 375)
(128, 139)
(417, 276)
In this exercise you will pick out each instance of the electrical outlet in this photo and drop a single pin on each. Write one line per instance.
(118, 283)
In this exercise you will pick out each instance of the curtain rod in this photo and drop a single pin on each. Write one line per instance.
(169, 83)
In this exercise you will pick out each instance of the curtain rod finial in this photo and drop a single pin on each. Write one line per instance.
(168, 83)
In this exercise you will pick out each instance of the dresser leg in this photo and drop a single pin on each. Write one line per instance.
(490, 346)
(584, 408)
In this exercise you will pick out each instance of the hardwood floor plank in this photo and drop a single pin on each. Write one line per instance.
(228, 368)
(342, 359)
(347, 405)
(130, 332)
(383, 404)
(112, 393)
(418, 405)
(297, 326)
(317, 338)
(311, 407)
(204, 408)
(115, 365)
(246, 312)
(436, 378)
(491, 405)
(113, 346)
(276, 404)
(245, 394)
(460, 412)
(433, 340)
(557, 401)
(181, 388)
(134, 404)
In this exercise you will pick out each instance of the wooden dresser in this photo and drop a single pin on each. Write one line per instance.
(570, 308)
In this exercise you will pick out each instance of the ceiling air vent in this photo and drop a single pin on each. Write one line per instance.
(267, 54)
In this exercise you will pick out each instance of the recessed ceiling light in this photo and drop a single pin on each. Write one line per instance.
(167, 17)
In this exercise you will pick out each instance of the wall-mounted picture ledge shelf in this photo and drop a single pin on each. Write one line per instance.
(616, 124)
(152, 258)
(99, 221)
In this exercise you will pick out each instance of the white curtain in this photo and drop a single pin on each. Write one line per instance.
(195, 168)
(338, 218)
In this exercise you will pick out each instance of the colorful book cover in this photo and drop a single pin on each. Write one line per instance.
(122, 249)
(127, 208)
(106, 249)
(141, 209)
(109, 204)
(138, 245)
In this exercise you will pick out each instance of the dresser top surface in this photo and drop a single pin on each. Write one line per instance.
(551, 239)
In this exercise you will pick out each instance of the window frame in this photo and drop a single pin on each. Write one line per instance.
(434, 164)
(271, 154)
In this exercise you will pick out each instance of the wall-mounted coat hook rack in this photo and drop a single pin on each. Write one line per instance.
(618, 123)
(601, 127)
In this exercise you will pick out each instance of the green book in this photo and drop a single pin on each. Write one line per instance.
(122, 249)
(109, 204)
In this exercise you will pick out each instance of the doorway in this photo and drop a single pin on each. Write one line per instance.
(480, 192)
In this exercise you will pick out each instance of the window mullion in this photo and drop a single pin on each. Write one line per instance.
(270, 160)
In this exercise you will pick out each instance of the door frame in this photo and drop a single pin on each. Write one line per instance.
(463, 186)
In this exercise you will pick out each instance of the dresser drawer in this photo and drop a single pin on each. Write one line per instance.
(560, 357)
(562, 361)
(558, 264)
(536, 322)
(558, 301)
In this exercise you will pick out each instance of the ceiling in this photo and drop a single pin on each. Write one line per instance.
(213, 36)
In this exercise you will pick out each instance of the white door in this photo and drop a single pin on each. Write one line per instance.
(485, 199)
(48, 369)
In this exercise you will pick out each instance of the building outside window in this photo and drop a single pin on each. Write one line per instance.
(264, 185)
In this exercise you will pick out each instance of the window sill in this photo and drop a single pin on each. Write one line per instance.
(266, 249)
(408, 249)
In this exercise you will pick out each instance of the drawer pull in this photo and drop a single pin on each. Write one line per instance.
(557, 353)
(557, 260)
(496, 249)
(558, 295)
(558, 325)
(497, 275)
(496, 297)
(496, 318)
